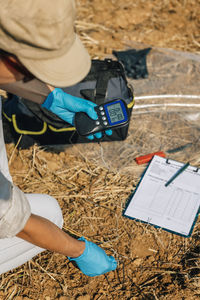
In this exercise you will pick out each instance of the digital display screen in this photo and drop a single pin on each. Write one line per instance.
(115, 112)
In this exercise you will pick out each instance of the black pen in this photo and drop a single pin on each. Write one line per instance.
(177, 173)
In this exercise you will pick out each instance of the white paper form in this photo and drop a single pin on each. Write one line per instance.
(174, 207)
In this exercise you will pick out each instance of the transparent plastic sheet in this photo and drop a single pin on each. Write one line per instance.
(166, 115)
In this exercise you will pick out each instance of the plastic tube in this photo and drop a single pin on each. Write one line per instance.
(167, 96)
(167, 104)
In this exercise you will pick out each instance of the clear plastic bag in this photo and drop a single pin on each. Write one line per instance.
(166, 115)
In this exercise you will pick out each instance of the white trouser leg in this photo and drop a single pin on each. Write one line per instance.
(14, 251)
(3, 156)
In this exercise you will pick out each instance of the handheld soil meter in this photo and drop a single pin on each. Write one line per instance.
(112, 114)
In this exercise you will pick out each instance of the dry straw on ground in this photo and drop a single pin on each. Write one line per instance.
(153, 264)
(151, 261)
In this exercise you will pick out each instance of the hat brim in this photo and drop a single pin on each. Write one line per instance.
(62, 71)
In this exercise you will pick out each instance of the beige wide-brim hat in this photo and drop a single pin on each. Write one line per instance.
(41, 34)
(64, 70)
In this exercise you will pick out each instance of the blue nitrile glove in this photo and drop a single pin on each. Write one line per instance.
(94, 261)
(65, 106)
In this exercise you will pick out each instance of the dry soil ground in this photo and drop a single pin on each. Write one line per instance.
(153, 264)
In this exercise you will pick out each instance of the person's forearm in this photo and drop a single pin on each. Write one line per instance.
(45, 234)
(33, 90)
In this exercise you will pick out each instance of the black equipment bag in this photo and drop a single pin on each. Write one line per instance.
(106, 81)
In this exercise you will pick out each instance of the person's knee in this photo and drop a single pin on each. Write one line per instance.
(46, 206)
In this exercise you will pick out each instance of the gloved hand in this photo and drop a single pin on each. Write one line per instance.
(94, 261)
(65, 106)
